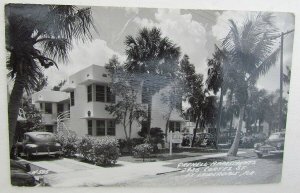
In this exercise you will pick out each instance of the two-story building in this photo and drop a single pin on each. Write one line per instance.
(86, 95)
(52, 104)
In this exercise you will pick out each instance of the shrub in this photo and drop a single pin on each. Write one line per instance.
(106, 151)
(143, 150)
(99, 150)
(126, 146)
(156, 136)
(85, 148)
(69, 144)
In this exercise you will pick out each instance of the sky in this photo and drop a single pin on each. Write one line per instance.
(195, 31)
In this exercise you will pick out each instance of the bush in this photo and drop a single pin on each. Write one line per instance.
(99, 150)
(143, 151)
(156, 136)
(106, 151)
(69, 144)
(126, 146)
(85, 148)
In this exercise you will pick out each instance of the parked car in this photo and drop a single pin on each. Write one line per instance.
(20, 175)
(274, 145)
(38, 143)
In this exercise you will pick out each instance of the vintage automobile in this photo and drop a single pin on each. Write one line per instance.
(274, 145)
(38, 143)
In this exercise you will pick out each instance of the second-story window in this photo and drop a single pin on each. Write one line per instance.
(60, 108)
(48, 108)
(89, 93)
(72, 98)
(100, 93)
(110, 97)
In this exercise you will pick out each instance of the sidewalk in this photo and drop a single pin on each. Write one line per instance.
(72, 173)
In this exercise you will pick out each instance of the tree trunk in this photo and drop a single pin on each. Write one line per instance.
(149, 114)
(167, 124)
(235, 145)
(230, 127)
(13, 108)
(219, 117)
(195, 130)
(130, 124)
(124, 125)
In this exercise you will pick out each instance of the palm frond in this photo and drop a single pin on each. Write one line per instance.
(264, 67)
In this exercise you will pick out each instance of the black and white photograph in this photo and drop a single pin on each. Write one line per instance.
(107, 96)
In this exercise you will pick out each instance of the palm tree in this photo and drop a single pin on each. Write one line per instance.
(252, 55)
(218, 80)
(154, 61)
(36, 37)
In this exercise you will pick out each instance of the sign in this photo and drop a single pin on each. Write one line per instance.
(176, 137)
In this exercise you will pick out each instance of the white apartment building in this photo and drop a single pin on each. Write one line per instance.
(85, 95)
(51, 104)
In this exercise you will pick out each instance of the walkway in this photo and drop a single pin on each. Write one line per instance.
(72, 173)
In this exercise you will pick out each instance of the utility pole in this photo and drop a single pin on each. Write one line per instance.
(281, 83)
(281, 79)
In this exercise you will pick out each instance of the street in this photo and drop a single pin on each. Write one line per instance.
(264, 170)
(204, 169)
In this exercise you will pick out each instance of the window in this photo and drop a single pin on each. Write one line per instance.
(48, 108)
(60, 108)
(110, 97)
(111, 127)
(72, 98)
(174, 126)
(41, 106)
(100, 126)
(100, 93)
(90, 127)
(89, 93)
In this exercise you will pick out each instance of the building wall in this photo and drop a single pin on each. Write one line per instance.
(79, 112)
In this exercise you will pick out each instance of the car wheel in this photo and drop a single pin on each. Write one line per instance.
(58, 156)
(16, 153)
(28, 156)
(259, 155)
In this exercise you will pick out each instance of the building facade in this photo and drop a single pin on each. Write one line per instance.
(52, 104)
(87, 93)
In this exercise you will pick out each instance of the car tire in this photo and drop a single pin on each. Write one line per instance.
(259, 155)
(58, 156)
(28, 155)
(16, 153)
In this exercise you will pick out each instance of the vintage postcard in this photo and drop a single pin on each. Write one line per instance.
(136, 97)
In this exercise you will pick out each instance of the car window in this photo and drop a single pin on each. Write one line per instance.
(45, 137)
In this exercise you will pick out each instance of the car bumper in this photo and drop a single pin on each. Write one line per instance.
(47, 153)
(271, 152)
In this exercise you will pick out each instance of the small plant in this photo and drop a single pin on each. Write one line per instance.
(156, 137)
(126, 146)
(143, 151)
